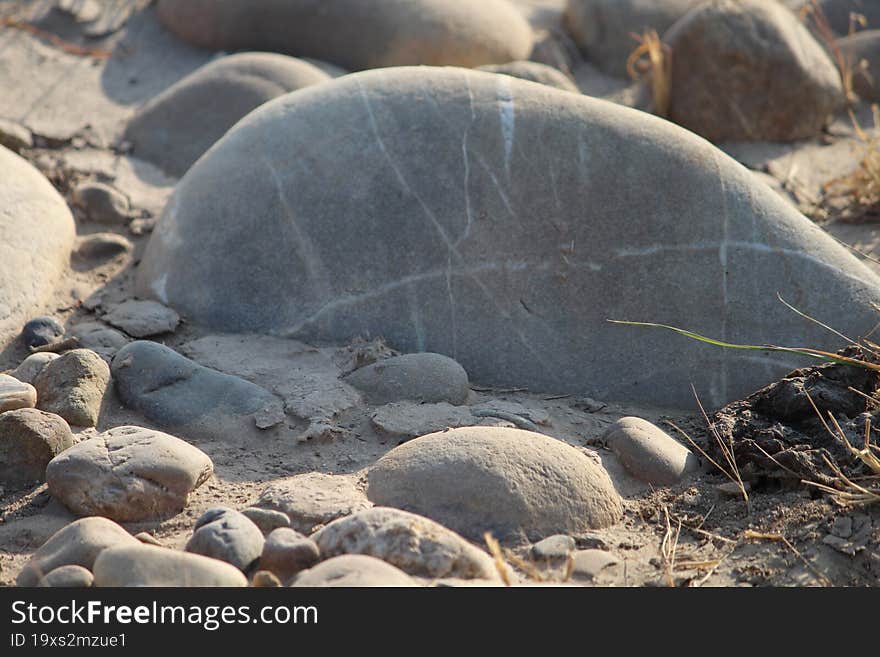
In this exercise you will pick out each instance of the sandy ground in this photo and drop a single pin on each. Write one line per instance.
(76, 106)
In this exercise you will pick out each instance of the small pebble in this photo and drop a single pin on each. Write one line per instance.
(266, 519)
(287, 552)
(41, 331)
(554, 547)
(263, 579)
(102, 246)
(15, 394)
(102, 203)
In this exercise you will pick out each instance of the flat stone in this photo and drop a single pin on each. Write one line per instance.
(128, 474)
(78, 543)
(534, 72)
(15, 394)
(142, 319)
(356, 36)
(313, 499)
(288, 552)
(28, 369)
(589, 563)
(29, 439)
(353, 570)
(15, 136)
(482, 479)
(267, 520)
(185, 397)
(602, 29)
(173, 129)
(225, 534)
(649, 453)
(305, 378)
(40, 331)
(68, 577)
(429, 378)
(784, 86)
(405, 420)
(36, 236)
(148, 565)
(518, 304)
(73, 386)
(554, 547)
(103, 246)
(102, 203)
(100, 338)
(418, 546)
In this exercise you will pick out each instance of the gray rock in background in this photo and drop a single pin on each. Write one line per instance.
(173, 129)
(602, 29)
(535, 221)
(783, 86)
(356, 35)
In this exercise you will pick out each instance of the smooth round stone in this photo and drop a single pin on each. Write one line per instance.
(313, 499)
(603, 29)
(79, 543)
(455, 256)
(36, 236)
(353, 571)
(268, 520)
(554, 547)
(41, 331)
(534, 72)
(649, 453)
(148, 565)
(427, 378)
(784, 86)
(358, 35)
(416, 545)
(28, 369)
(15, 394)
(515, 484)
(29, 439)
(225, 534)
(142, 319)
(263, 579)
(173, 129)
(287, 552)
(69, 577)
(128, 474)
(73, 386)
(102, 203)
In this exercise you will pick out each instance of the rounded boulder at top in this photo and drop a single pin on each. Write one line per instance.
(357, 34)
(536, 218)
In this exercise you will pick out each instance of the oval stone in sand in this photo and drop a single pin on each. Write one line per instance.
(515, 484)
(357, 34)
(148, 565)
(353, 570)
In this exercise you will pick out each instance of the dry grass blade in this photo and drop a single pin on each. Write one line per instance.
(668, 547)
(652, 59)
(58, 42)
(500, 563)
(845, 64)
(527, 567)
(750, 534)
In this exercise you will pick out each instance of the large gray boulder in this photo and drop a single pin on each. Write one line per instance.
(603, 29)
(515, 484)
(177, 126)
(538, 216)
(356, 34)
(36, 236)
(748, 70)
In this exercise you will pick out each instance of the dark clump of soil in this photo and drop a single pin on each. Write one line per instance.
(779, 439)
